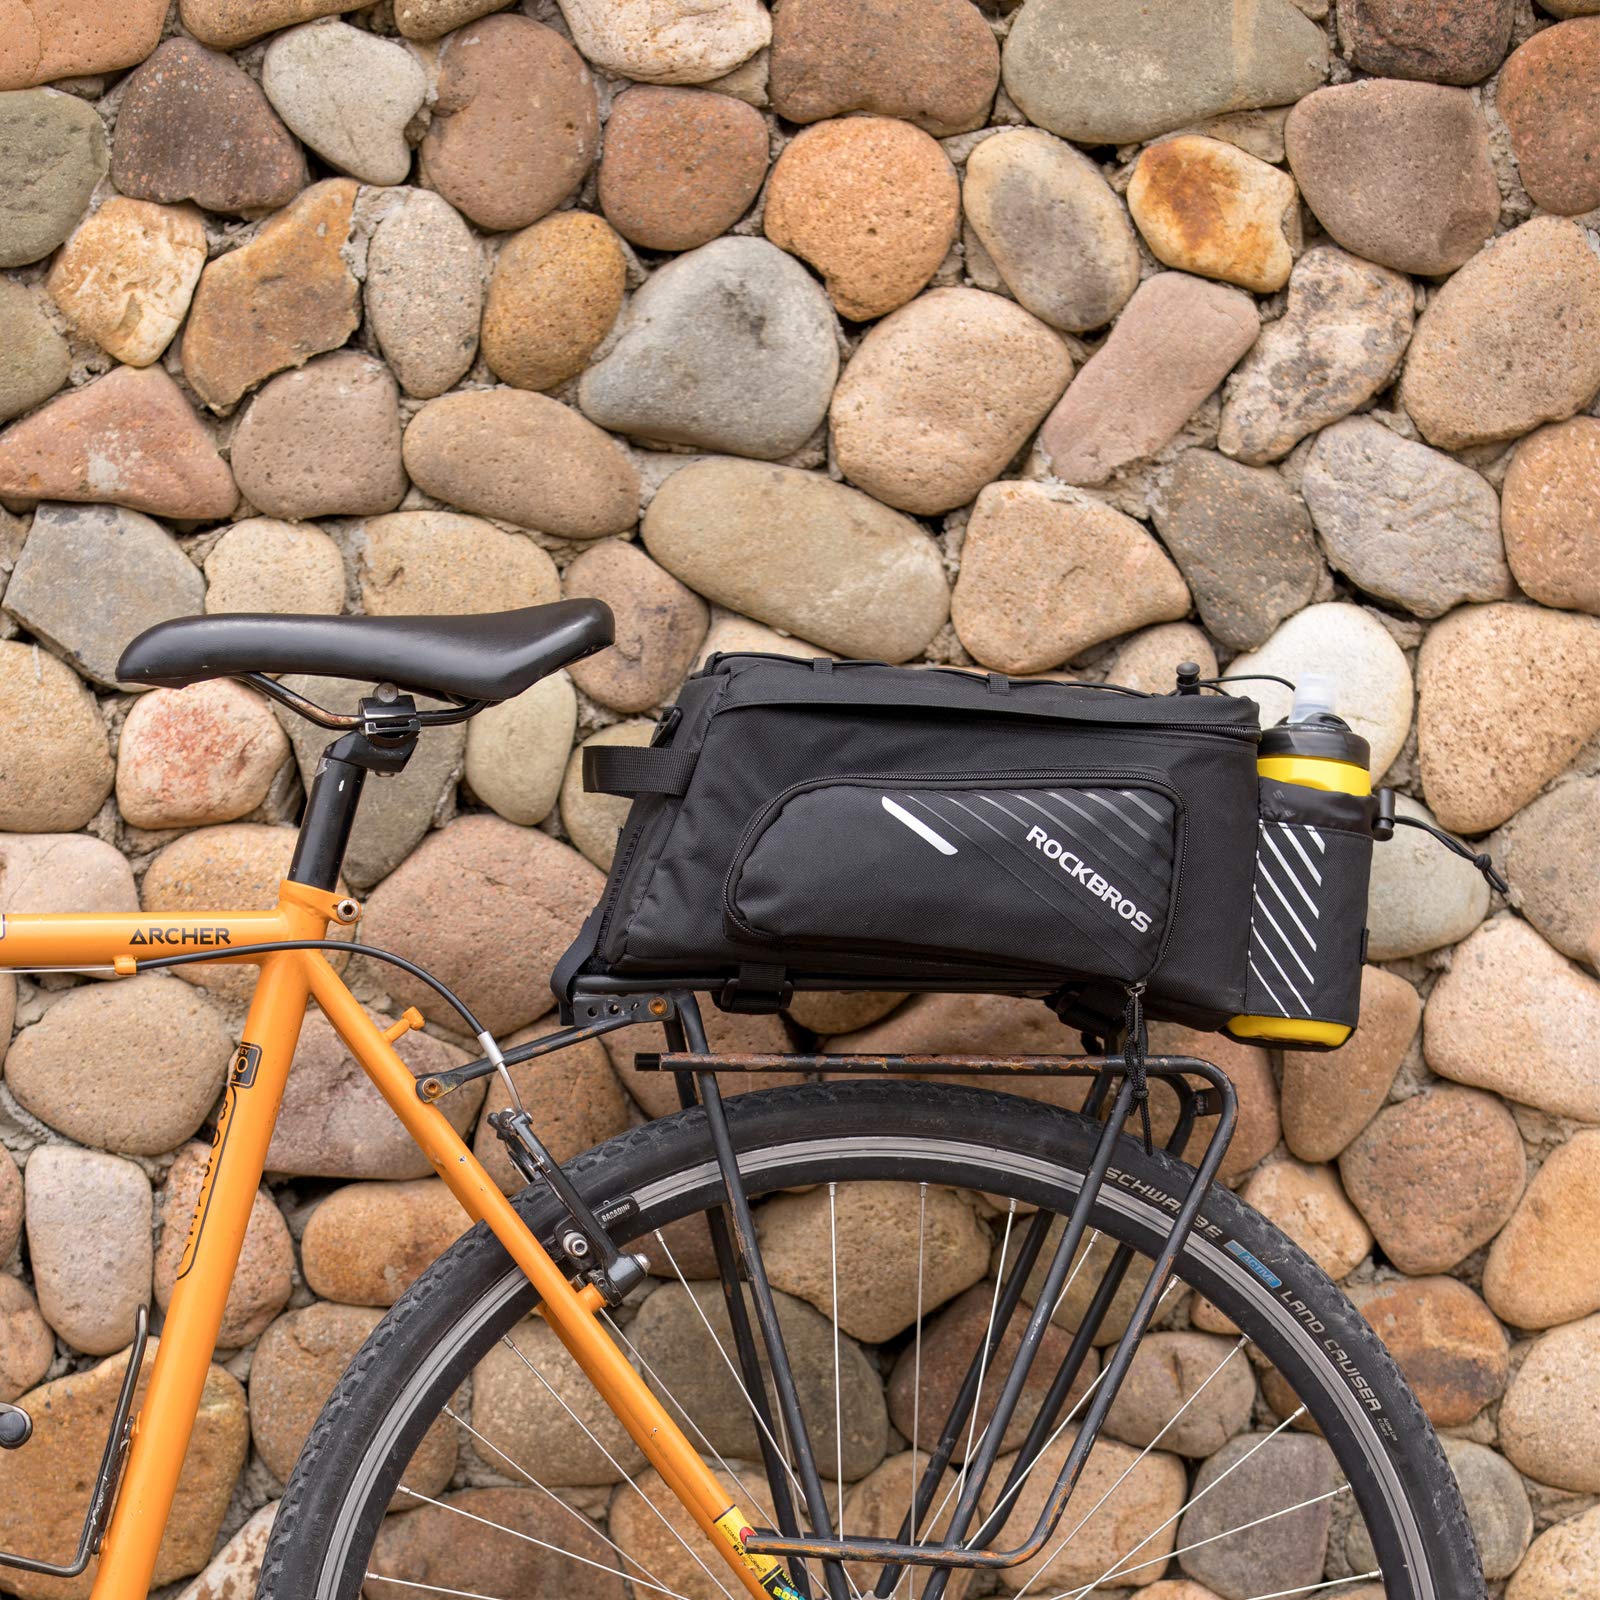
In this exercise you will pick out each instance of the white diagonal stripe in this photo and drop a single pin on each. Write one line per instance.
(1283, 899)
(919, 827)
(1265, 910)
(1283, 861)
(1293, 836)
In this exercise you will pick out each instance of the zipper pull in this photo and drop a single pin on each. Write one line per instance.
(1135, 1044)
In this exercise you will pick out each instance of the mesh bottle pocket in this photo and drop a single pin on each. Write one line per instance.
(1308, 915)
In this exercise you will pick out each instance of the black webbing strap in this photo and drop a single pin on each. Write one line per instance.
(628, 771)
(572, 963)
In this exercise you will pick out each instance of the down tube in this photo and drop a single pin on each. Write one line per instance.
(570, 1313)
(189, 1335)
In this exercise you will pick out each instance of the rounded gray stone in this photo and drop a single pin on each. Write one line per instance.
(348, 94)
(92, 576)
(52, 154)
(1420, 897)
(1404, 522)
(730, 347)
(34, 359)
(1550, 853)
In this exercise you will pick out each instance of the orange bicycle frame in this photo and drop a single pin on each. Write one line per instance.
(253, 1093)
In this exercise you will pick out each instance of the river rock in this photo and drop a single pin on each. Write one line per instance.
(427, 20)
(1337, 344)
(52, 154)
(367, 1242)
(731, 347)
(27, 1346)
(125, 277)
(263, 565)
(298, 1361)
(517, 1394)
(680, 165)
(1053, 227)
(878, 1253)
(728, 1033)
(227, 24)
(556, 290)
(150, 1082)
(77, 40)
(876, 1507)
(264, 1277)
(1161, 1399)
(1436, 1176)
(1419, 897)
(63, 872)
(545, 1546)
(667, 41)
(128, 438)
(1176, 340)
(1373, 676)
(434, 563)
(274, 303)
(685, 1366)
(941, 395)
(871, 202)
(1497, 1504)
(1508, 696)
(1548, 855)
(593, 822)
(1398, 173)
(1550, 1419)
(34, 358)
(1243, 541)
(826, 1013)
(323, 441)
(58, 771)
(191, 757)
(515, 122)
(935, 64)
(42, 1487)
(1446, 1341)
(1328, 1100)
(88, 1217)
(1148, 660)
(235, 1570)
(1542, 1268)
(1549, 518)
(1564, 1559)
(348, 94)
(1545, 96)
(1449, 43)
(517, 751)
(1208, 207)
(1404, 522)
(335, 1124)
(712, 526)
(1512, 340)
(91, 577)
(1102, 75)
(1044, 576)
(193, 125)
(1235, 1488)
(516, 900)
(10, 1186)
(424, 292)
(656, 1533)
(659, 626)
(1515, 1016)
(525, 459)
(1307, 1203)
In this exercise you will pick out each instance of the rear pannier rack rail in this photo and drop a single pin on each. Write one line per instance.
(970, 1540)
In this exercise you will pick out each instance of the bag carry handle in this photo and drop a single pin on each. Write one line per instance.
(628, 771)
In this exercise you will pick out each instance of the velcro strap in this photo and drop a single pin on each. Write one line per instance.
(628, 771)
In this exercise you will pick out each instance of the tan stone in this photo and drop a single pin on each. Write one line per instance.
(27, 1346)
(10, 1178)
(657, 1533)
(227, 24)
(872, 203)
(876, 1507)
(1149, 659)
(941, 395)
(594, 821)
(728, 1033)
(125, 277)
(298, 1361)
(236, 1568)
(556, 290)
(64, 872)
(1550, 1418)
(1189, 1392)
(1548, 513)
(1328, 1098)
(129, 439)
(1565, 1559)
(75, 38)
(1507, 696)
(434, 563)
(41, 1487)
(517, 751)
(1249, 1070)
(1207, 207)
(825, 1012)
(275, 302)
(261, 564)
(1309, 1205)
(264, 1277)
(57, 769)
(431, 19)
(366, 1243)
(1045, 574)
(1542, 1269)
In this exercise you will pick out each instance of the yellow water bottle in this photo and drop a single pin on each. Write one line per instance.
(1314, 748)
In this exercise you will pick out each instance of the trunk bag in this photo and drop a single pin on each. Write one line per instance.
(833, 823)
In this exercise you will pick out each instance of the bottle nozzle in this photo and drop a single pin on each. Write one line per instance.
(1315, 696)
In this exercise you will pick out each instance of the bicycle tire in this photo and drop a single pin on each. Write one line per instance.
(431, 1339)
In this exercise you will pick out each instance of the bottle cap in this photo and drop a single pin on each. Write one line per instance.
(1315, 696)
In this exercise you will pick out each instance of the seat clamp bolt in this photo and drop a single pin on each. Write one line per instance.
(347, 910)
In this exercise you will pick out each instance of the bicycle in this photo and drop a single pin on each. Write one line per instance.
(1052, 1190)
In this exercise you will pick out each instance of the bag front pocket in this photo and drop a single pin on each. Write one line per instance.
(1053, 872)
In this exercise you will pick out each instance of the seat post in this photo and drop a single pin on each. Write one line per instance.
(383, 744)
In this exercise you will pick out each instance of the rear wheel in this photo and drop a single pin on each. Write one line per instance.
(1375, 1505)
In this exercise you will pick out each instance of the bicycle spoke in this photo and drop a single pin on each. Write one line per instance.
(916, 1380)
(838, 1398)
(1327, 1583)
(988, 1336)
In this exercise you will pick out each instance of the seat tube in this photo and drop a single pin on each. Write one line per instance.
(166, 1414)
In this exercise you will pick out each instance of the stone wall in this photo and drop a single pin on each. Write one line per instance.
(1080, 333)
